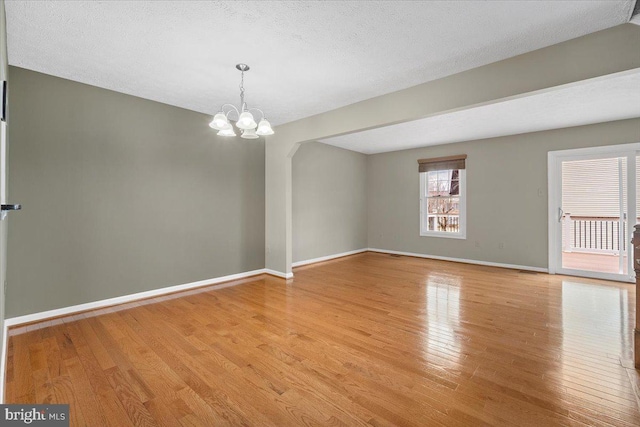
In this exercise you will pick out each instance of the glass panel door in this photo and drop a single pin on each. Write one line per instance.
(594, 216)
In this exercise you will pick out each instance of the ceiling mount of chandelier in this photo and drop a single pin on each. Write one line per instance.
(245, 120)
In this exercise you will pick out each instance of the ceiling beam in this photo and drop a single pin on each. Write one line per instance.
(595, 55)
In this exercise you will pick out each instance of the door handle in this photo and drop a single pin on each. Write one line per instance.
(11, 207)
(6, 208)
(560, 214)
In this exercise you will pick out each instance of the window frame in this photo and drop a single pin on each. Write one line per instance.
(462, 220)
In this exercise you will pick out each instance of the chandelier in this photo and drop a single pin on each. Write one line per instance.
(245, 120)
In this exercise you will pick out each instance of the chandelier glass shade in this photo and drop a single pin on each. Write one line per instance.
(264, 128)
(227, 132)
(249, 134)
(245, 120)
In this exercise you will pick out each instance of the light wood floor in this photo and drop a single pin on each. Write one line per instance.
(371, 339)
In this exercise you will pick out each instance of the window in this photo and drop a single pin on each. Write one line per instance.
(442, 197)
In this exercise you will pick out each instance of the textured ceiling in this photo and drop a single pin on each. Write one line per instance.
(596, 101)
(306, 57)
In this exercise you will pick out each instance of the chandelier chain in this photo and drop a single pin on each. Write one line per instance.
(242, 91)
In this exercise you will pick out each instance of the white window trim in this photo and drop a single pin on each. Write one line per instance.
(462, 234)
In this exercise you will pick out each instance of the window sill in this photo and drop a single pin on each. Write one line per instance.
(443, 234)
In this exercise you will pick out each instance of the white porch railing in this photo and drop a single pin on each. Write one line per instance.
(595, 235)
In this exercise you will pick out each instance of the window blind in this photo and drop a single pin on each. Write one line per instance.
(442, 163)
(590, 187)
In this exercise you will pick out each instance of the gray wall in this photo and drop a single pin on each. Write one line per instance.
(122, 195)
(504, 176)
(329, 201)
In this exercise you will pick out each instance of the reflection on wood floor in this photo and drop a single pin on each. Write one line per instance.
(370, 339)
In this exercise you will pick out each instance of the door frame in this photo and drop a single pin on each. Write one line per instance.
(554, 163)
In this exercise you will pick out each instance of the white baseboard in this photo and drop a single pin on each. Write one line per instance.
(328, 257)
(3, 362)
(13, 321)
(278, 273)
(466, 261)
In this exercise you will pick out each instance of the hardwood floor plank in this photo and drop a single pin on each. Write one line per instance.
(100, 353)
(53, 355)
(43, 388)
(84, 395)
(22, 389)
(135, 409)
(64, 393)
(163, 413)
